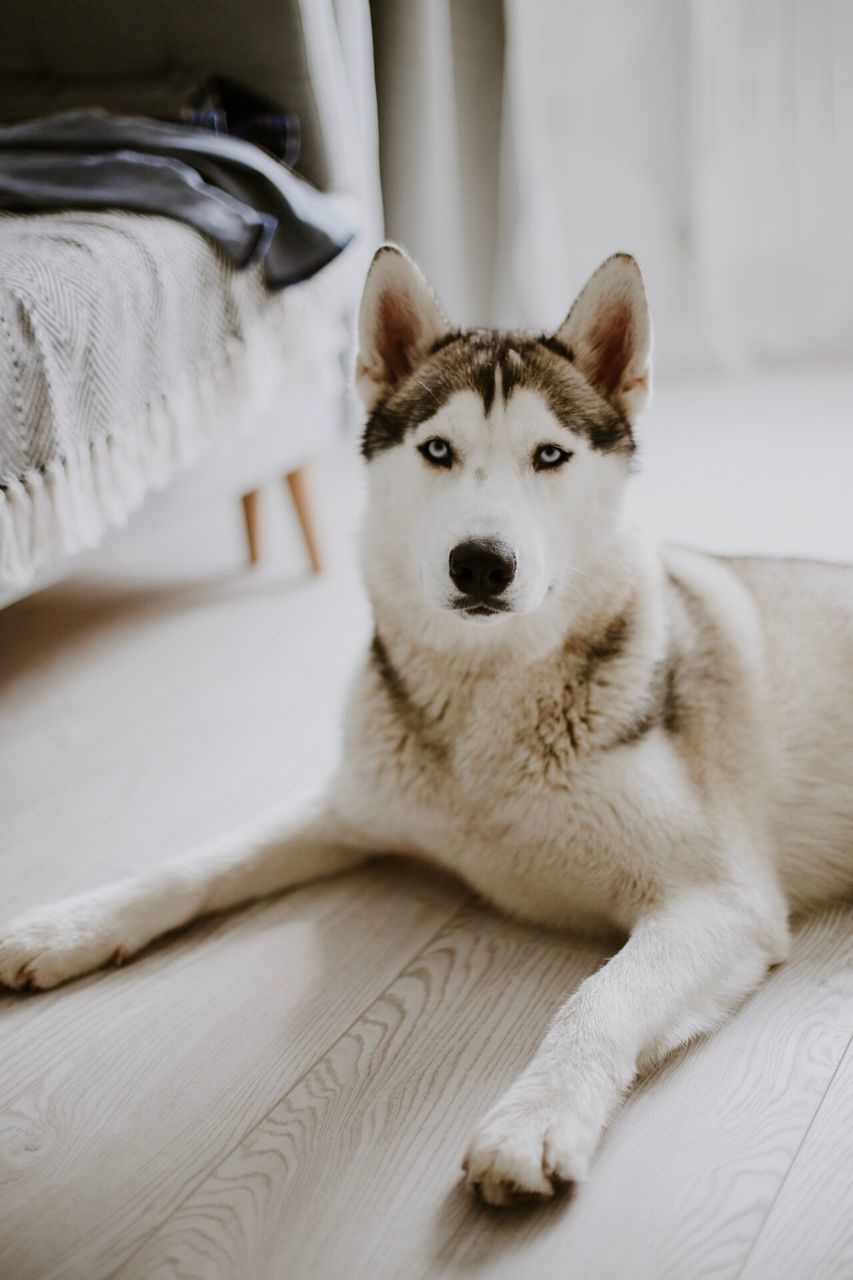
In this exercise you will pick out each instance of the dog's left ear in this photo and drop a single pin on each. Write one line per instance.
(399, 321)
(609, 333)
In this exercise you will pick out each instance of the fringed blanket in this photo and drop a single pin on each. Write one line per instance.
(128, 348)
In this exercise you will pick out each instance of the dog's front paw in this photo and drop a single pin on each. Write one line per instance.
(531, 1143)
(52, 944)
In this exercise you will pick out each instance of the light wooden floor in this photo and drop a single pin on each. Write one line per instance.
(286, 1091)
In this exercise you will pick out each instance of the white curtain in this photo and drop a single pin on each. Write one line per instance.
(711, 138)
(714, 139)
(439, 77)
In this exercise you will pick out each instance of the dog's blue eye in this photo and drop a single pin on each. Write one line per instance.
(437, 451)
(548, 456)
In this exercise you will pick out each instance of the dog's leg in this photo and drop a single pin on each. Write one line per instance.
(683, 970)
(51, 944)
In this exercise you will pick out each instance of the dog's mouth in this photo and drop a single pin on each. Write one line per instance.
(478, 608)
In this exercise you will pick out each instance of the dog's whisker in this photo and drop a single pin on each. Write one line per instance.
(569, 568)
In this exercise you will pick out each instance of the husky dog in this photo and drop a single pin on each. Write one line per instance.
(594, 732)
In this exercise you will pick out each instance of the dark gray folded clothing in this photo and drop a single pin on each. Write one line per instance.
(40, 180)
(243, 199)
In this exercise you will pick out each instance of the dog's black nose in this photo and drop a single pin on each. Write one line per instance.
(481, 569)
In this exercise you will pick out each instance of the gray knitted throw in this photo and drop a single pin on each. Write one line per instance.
(128, 348)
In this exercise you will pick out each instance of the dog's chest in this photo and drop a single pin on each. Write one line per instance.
(505, 785)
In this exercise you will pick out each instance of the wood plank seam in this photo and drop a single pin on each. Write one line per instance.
(457, 911)
(795, 1156)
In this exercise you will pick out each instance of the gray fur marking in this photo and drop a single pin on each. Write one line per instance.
(413, 718)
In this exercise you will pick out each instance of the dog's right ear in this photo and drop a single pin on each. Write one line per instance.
(399, 321)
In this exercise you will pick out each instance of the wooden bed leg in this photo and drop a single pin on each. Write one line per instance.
(251, 516)
(300, 491)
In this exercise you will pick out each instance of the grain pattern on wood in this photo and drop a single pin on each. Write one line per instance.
(161, 701)
(356, 1172)
(809, 1230)
(689, 1170)
(121, 1091)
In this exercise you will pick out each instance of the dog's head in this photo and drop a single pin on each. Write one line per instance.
(497, 461)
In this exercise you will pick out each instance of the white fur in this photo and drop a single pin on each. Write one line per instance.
(553, 522)
(497, 752)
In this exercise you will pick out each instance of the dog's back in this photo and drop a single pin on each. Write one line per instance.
(806, 609)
